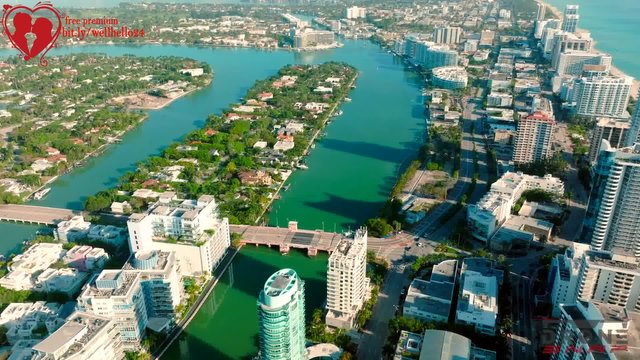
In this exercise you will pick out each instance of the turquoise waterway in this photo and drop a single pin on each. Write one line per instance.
(351, 171)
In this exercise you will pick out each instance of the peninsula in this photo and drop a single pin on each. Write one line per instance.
(53, 118)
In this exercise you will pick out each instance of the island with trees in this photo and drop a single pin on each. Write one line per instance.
(243, 155)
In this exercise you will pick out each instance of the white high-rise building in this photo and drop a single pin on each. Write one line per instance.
(548, 32)
(161, 285)
(609, 278)
(611, 129)
(566, 42)
(447, 35)
(570, 18)
(541, 12)
(347, 282)
(281, 318)
(572, 62)
(117, 295)
(83, 337)
(634, 129)
(355, 12)
(601, 95)
(585, 330)
(564, 276)
(190, 228)
(617, 225)
(534, 138)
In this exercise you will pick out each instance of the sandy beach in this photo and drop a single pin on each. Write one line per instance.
(635, 88)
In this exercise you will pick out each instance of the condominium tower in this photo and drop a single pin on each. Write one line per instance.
(117, 295)
(609, 278)
(570, 18)
(634, 130)
(447, 35)
(355, 12)
(610, 129)
(601, 95)
(281, 317)
(533, 138)
(347, 283)
(190, 228)
(617, 225)
(585, 330)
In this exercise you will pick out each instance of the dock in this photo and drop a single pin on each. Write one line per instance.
(39, 215)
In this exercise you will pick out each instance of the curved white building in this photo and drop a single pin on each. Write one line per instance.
(281, 317)
(450, 77)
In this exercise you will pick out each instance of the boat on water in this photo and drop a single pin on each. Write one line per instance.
(302, 166)
(313, 146)
(39, 195)
(338, 113)
(347, 99)
(286, 187)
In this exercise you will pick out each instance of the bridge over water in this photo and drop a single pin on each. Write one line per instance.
(284, 238)
(30, 214)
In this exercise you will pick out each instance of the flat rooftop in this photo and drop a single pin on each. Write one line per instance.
(79, 329)
(445, 271)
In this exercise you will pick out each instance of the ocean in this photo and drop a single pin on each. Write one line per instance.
(614, 25)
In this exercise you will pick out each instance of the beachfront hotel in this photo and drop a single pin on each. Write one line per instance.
(347, 282)
(190, 228)
(281, 317)
(601, 95)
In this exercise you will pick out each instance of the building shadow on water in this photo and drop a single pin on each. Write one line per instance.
(357, 210)
(251, 282)
(369, 150)
(190, 347)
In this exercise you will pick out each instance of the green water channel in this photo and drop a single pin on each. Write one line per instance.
(351, 171)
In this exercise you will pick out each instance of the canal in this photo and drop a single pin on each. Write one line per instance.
(351, 171)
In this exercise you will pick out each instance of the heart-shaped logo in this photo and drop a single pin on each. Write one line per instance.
(42, 23)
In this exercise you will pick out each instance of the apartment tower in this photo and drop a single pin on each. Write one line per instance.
(281, 317)
(347, 283)
(533, 138)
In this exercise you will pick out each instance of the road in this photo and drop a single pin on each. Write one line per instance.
(374, 337)
(577, 203)
(401, 250)
(521, 315)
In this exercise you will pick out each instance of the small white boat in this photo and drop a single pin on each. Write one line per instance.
(302, 166)
(338, 113)
(39, 195)
(347, 99)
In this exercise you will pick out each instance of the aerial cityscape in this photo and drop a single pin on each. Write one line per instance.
(320, 179)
